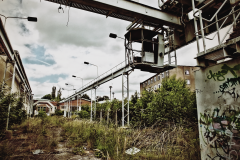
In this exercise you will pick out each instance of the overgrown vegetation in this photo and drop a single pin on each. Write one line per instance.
(16, 115)
(163, 126)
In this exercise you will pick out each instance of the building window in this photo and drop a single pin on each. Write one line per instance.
(151, 81)
(148, 82)
(162, 75)
(167, 74)
(155, 87)
(188, 81)
(159, 85)
(155, 79)
(187, 72)
(159, 77)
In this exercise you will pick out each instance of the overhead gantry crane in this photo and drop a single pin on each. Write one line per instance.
(160, 32)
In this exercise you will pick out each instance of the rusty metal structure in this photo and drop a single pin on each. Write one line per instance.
(161, 32)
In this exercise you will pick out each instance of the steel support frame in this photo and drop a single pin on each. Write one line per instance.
(125, 96)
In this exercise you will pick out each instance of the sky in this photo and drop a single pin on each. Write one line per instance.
(55, 47)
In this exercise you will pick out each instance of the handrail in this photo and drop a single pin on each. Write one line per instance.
(206, 6)
(226, 17)
(101, 76)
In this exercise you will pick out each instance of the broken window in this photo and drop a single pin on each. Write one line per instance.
(186, 72)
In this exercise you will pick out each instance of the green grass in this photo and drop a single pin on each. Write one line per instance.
(171, 142)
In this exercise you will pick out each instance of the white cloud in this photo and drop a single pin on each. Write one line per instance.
(84, 39)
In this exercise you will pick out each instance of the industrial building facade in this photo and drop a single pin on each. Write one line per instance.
(183, 72)
(12, 72)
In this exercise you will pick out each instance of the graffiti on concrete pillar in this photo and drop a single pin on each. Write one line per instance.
(220, 75)
(219, 113)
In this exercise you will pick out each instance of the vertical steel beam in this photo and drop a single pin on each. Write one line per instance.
(217, 26)
(202, 31)
(161, 50)
(77, 104)
(128, 100)
(91, 107)
(234, 19)
(13, 81)
(95, 106)
(122, 99)
(195, 26)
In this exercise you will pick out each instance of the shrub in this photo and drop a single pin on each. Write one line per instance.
(84, 114)
(58, 112)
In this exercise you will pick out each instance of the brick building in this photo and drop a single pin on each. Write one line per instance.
(183, 72)
(73, 104)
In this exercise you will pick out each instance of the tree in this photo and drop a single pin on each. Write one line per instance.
(47, 96)
(86, 96)
(173, 102)
(134, 98)
(16, 115)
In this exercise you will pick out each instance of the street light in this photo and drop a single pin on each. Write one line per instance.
(93, 65)
(110, 91)
(78, 77)
(69, 100)
(31, 19)
(112, 35)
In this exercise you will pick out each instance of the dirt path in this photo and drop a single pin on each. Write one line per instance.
(20, 144)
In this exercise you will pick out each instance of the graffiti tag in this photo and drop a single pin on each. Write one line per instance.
(220, 75)
(229, 83)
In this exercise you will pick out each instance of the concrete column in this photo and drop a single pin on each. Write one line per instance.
(13, 81)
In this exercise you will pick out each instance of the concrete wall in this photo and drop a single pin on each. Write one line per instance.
(218, 104)
(8, 80)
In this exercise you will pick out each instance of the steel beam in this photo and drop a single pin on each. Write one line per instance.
(103, 80)
(125, 10)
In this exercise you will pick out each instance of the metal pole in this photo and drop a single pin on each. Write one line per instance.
(13, 80)
(4, 75)
(128, 99)
(217, 26)
(80, 103)
(123, 100)
(234, 19)
(91, 107)
(95, 107)
(77, 103)
(195, 26)
(202, 31)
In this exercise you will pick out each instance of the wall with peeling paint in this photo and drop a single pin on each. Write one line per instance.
(218, 102)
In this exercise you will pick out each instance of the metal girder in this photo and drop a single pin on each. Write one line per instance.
(103, 80)
(125, 10)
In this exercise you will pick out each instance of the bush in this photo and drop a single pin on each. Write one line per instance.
(84, 114)
(42, 114)
(58, 112)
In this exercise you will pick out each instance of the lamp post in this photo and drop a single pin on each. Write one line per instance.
(78, 77)
(31, 19)
(69, 102)
(70, 99)
(77, 95)
(113, 94)
(110, 92)
(93, 65)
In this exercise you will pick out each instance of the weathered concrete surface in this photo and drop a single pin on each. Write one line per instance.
(218, 104)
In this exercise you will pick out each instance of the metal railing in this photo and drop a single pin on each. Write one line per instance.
(220, 41)
(105, 74)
